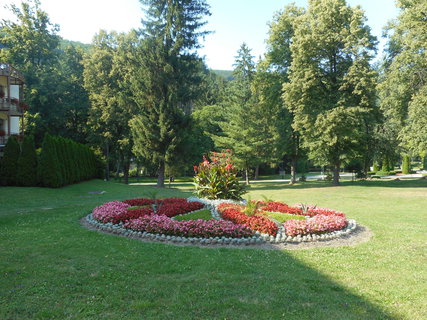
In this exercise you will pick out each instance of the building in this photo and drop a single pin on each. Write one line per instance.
(11, 106)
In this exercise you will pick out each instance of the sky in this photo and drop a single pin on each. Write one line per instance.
(232, 22)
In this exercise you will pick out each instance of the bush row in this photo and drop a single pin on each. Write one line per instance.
(60, 162)
(63, 161)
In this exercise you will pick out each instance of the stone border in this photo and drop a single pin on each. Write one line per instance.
(259, 240)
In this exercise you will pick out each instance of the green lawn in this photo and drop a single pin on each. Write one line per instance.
(201, 214)
(52, 268)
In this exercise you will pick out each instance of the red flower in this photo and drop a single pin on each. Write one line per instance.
(228, 167)
(195, 169)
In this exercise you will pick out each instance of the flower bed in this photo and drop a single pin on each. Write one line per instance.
(230, 224)
(158, 220)
(234, 212)
(161, 224)
(319, 220)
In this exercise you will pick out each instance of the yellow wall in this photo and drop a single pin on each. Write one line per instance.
(3, 82)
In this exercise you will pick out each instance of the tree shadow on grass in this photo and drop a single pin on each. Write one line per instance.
(256, 284)
(324, 184)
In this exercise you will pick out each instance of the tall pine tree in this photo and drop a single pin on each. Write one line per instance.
(166, 70)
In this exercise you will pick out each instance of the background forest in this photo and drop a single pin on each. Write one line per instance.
(146, 100)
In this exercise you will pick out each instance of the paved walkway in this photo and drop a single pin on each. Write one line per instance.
(313, 178)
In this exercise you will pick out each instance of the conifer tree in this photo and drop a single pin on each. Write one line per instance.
(49, 171)
(241, 131)
(406, 164)
(9, 162)
(61, 159)
(27, 164)
(166, 69)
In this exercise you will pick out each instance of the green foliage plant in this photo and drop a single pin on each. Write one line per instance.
(217, 179)
(406, 164)
(252, 207)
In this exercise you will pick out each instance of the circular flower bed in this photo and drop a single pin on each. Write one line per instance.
(232, 222)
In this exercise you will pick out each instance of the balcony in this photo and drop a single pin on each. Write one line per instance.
(16, 77)
(12, 106)
(3, 140)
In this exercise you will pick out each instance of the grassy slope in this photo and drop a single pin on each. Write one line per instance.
(52, 268)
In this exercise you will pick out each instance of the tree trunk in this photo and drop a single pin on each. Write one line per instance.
(256, 172)
(336, 180)
(138, 169)
(161, 175)
(107, 162)
(293, 170)
(126, 165)
(118, 169)
(247, 176)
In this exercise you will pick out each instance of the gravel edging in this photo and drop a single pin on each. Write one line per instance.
(351, 235)
(360, 235)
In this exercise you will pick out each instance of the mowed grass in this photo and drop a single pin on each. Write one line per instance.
(53, 268)
(200, 214)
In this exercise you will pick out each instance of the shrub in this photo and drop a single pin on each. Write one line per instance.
(406, 164)
(217, 179)
(48, 170)
(9, 162)
(387, 164)
(27, 164)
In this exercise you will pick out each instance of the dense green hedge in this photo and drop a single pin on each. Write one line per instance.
(61, 162)
(9, 162)
(26, 174)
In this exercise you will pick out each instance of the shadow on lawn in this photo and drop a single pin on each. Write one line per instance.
(321, 184)
(266, 285)
(196, 283)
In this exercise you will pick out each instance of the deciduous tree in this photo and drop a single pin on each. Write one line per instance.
(331, 92)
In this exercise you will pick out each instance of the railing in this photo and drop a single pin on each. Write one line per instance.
(8, 70)
(10, 105)
(3, 140)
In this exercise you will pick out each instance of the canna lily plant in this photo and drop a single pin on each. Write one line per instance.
(217, 179)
